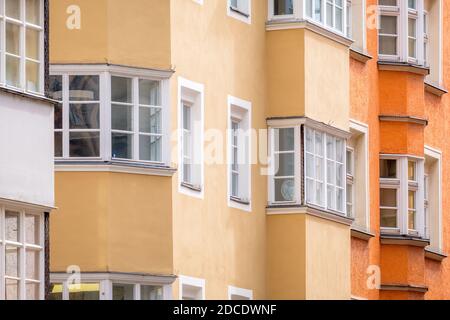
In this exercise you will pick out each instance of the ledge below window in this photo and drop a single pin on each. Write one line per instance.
(302, 209)
(434, 89)
(404, 240)
(28, 95)
(359, 55)
(362, 234)
(114, 166)
(435, 255)
(404, 287)
(403, 67)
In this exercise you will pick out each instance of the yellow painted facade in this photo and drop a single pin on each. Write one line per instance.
(141, 224)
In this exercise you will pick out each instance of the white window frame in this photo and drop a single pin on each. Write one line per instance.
(107, 280)
(436, 155)
(301, 14)
(246, 294)
(351, 182)
(105, 72)
(192, 92)
(297, 162)
(403, 186)
(240, 111)
(403, 14)
(22, 48)
(199, 284)
(22, 247)
(238, 12)
(326, 183)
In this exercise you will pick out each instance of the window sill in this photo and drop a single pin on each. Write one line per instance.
(309, 210)
(359, 55)
(407, 119)
(362, 234)
(28, 95)
(113, 166)
(436, 255)
(403, 67)
(237, 11)
(389, 239)
(240, 201)
(293, 23)
(404, 287)
(191, 187)
(435, 89)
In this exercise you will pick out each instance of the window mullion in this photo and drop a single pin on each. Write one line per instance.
(135, 128)
(403, 32)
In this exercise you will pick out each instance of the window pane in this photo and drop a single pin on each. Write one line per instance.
(149, 92)
(84, 291)
(32, 229)
(58, 116)
(309, 140)
(13, 9)
(32, 45)
(412, 171)
(388, 25)
(150, 148)
(412, 4)
(284, 189)
(32, 76)
(388, 45)
(331, 169)
(331, 197)
(349, 156)
(186, 117)
(12, 226)
(32, 291)
(388, 218)
(340, 175)
(329, 14)
(151, 293)
(150, 120)
(388, 169)
(285, 165)
(388, 198)
(235, 184)
(12, 261)
(387, 2)
(121, 90)
(32, 265)
(84, 88)
(33, 11)
(317, 10)
(55, 87)
(283, 7)
(331, 152)
(12, 71)
(340, 200)
(123, 292)
(84, 144)
(285, 139)
(122, 117)
(56, 291)
(122, 145)
(12, 38)
(319, 143)
(310, 166)
(339, 151)
(58, 144)
(84, 116)
(12, 289)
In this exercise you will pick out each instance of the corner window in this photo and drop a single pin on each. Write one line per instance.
(191, 125)
(404, 34)
(239, 151)
(401, 187)
(22, 251)
(240, 9)
(125, 123)
(22, 52)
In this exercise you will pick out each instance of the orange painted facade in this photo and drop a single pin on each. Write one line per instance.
(406, 271)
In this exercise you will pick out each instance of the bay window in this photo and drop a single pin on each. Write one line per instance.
(401, 191)
(403, 31)
(108, 116)
(22, 52)
(22, 254)
(324, 176)
(330, 14)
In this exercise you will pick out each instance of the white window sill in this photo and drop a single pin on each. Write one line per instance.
(240, 204)
(28, 95)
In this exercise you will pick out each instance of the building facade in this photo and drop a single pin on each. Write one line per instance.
(26, 150)
(239, 149)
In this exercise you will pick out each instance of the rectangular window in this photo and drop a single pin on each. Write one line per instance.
(335, 14)
(325, 168)
(284, 165)
(132, 108)
(388, 35)
(350, 182)
(283, 7)
(412, 38)
(22, 249)
(190, 146)
(401, 186)
(234, 159)
(21, 60)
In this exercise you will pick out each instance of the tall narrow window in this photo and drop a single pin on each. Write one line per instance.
(426, 212)
(412, 38)
(412, 195)
(335, 14)
(350, 181)
(284, 171)
(122, 126)
(235, 159)
(390, 185)
(425, 39)
(56, 90)
(187, 144)
(388, 35)
(23, 52)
